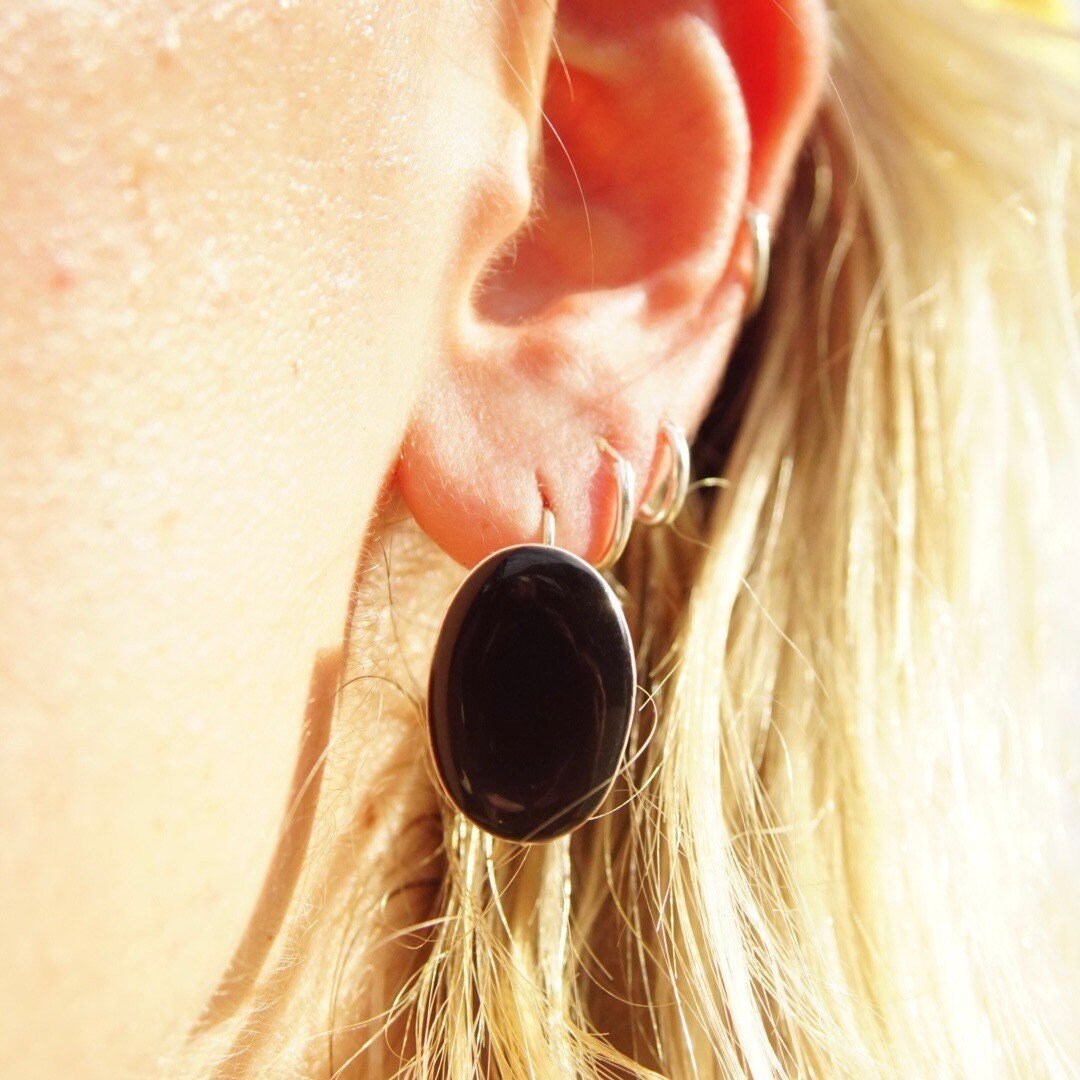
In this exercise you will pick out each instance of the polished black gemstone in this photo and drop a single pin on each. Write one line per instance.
(532, 691)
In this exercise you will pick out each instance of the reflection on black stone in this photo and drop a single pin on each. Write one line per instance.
(531, 694)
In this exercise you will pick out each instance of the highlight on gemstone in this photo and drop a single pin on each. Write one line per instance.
(531, 695)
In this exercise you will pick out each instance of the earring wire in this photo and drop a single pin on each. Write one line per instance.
(547, 518)
(624, 506)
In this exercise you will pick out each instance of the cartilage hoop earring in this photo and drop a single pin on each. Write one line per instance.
(668, 502)
(533, 688)
(757, 221)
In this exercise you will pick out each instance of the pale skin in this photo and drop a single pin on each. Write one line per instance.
(238, 250)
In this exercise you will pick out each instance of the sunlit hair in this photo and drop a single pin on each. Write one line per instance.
(845, 843)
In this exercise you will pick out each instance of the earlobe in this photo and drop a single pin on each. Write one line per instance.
(614, 308)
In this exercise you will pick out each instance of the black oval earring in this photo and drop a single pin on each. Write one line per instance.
(533, 686)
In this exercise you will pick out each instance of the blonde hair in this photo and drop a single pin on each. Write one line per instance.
(842, 846)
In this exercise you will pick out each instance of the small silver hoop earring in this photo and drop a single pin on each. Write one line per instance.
(671, 494)
(757, 221)
(624, 506)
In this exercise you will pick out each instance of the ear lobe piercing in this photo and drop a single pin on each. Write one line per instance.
(533, 684)
(667, 503)
(757, 221)
(624, 506)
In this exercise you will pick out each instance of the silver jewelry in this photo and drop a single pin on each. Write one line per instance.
(624, 506)
(757, 221)
(668, 500)
(547, 520)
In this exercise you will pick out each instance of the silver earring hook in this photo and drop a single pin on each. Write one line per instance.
(547, 519)
(624, 506)
(676, 481)
(757, 221)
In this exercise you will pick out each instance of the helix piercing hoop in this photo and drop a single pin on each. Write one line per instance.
(757, 221)
(533, 686)
(671, 495)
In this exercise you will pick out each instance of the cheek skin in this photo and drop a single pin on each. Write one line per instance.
(220, 292)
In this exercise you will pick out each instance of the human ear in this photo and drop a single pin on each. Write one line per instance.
(613, 305)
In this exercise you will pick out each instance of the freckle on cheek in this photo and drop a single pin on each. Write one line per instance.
(61, 271)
